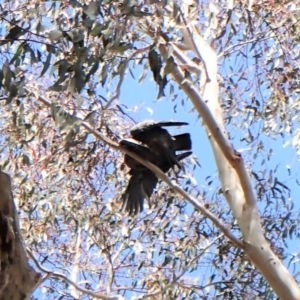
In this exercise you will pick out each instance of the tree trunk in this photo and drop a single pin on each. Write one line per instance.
(17, 278)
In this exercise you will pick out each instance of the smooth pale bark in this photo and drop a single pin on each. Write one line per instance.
(17, 278)
(236, 184)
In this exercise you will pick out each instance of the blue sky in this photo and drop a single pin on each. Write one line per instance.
(144, 96)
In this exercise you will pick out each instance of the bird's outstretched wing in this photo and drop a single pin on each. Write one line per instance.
(141, 151)
(147, 125)
(140, 186)
(142, 181)
(160, 141)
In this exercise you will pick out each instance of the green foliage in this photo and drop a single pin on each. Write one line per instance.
(76, 54)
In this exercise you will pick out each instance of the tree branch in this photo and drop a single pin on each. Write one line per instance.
(76, 260)
(161, 291)
(75, 285)
(118, 88)
(236, 183)
(196, 203)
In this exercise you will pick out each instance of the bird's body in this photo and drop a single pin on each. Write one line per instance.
(160, 141)
(159, 148)
(155, 63)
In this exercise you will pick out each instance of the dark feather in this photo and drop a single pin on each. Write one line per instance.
(159, 139)
(143, 181)
(140, 186)
(155, 63)
(147, 125)
(182, 142)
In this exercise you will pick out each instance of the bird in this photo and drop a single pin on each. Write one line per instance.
(156, 145)
(155, 63)
(160, 141)
(143, 181)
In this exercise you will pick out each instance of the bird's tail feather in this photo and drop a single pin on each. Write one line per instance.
(170, 123)
(182, 142)
(184, 155)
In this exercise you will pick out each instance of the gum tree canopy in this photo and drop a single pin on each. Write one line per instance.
(69, 76)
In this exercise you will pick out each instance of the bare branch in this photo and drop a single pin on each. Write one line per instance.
(110, 272)
(63, 277)
(174, 281)
(76, 260)
(189, 34)
(216, 130)
(118, 88)
(196, 203)
(235, 179)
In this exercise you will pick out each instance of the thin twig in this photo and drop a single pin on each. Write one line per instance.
(110, 279)
(192, 40)
(118, 88)
(216, 131)
(75, 267)
(65, 278)
(161, 291)
(197, 203)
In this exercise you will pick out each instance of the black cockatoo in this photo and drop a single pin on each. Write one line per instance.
(159, 140)
(160, 149)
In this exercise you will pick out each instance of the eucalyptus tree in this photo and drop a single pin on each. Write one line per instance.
(63, 67)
